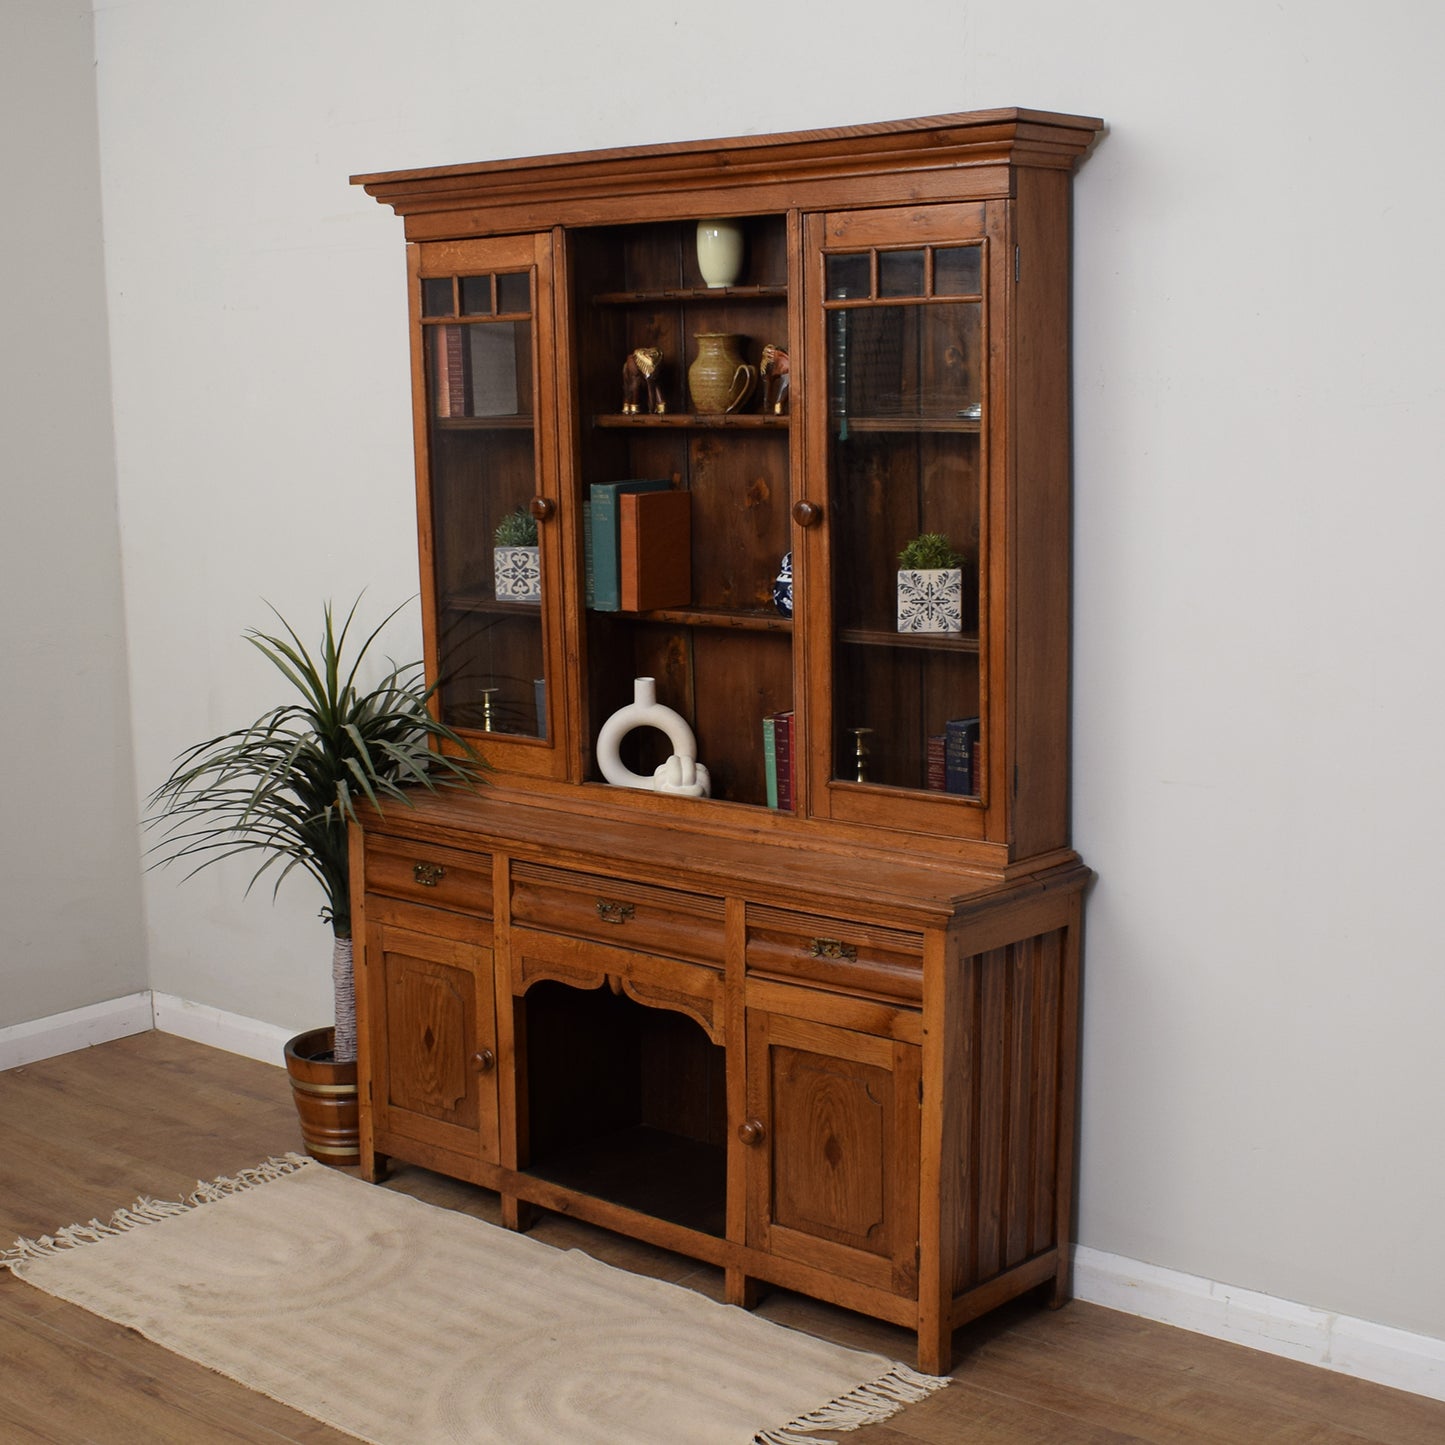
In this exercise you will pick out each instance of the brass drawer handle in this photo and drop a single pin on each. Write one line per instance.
(428, 874)
(610, 912)
(832, 948)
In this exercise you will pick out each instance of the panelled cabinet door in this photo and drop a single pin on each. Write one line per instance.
(832, 1143)
(908, 425)
(434, 1078)
(485, 401)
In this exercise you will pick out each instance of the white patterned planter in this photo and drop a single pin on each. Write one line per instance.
(931, 600)
(518, 572)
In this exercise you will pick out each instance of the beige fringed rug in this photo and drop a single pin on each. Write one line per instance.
(406, 1324)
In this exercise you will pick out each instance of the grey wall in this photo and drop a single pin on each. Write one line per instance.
(70, 900)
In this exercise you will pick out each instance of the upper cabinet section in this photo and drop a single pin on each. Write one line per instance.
(769, 433)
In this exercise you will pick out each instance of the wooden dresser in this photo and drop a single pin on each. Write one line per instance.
(818, 1027)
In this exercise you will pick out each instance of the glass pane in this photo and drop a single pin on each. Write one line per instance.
(477, 295)
(900, 273)
(958, 271)
(437, 298)
(483, 369)
(906, 361)
(514, 293)
(848, 276)
(905, 459)
(487, 561)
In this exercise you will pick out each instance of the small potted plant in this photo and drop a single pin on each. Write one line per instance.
(286, 787)
(930, 585)
(515, 558)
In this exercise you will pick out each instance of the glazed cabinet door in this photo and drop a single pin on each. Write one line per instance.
(433, 1043)
(899, 323)
(832, 1144)
(484, 384)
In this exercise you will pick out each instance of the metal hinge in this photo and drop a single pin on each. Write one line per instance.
(1018, 264)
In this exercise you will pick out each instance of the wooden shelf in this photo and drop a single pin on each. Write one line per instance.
(707, 421)
(907, 423)
(481, 602)
(691, 293)
(483, 423)
(713, 617)
(928, 641)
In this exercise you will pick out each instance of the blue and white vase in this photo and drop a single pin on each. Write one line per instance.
(783, 587)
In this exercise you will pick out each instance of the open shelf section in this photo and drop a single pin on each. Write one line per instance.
(663, 1175)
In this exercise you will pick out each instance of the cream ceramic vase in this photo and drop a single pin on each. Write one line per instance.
(719, 252)
(719, 379)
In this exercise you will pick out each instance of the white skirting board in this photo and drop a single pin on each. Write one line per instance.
(77, 1028)
(231, 1032)
(1387, 1356)
(139, 1013)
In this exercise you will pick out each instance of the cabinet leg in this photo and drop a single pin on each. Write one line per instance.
(374, 1166)
(1063, 1289)
(935, 1351)
(517, 1214)
(742, 1289)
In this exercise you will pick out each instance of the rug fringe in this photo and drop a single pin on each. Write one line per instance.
(149, 1211)
(870, 1404)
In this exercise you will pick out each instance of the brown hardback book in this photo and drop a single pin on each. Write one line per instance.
(654, 535)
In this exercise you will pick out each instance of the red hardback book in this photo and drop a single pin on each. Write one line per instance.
(783, 745)
(654, 540)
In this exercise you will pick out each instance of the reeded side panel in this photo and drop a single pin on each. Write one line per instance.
(1005, 1138)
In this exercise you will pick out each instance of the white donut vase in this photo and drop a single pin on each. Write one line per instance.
(644, 711)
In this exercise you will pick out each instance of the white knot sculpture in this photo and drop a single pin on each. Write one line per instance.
(681, 773)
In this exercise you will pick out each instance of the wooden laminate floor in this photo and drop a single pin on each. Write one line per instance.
(86, 1133)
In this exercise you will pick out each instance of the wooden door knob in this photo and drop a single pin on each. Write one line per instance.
(751, 1131)
(542, 508)
(485, 1061)
(807, 514)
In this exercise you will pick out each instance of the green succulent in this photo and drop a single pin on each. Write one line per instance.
(517, 529)
(928, 552)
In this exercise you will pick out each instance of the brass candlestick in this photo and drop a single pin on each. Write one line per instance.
(860, 738)
(488, 722)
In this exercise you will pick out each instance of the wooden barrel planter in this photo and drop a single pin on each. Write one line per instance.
(325, 1095)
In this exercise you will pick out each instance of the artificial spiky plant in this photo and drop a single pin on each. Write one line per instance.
(286, 786)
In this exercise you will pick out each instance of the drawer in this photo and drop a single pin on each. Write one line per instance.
(424, 873)
(851, 957)
(621, 914)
